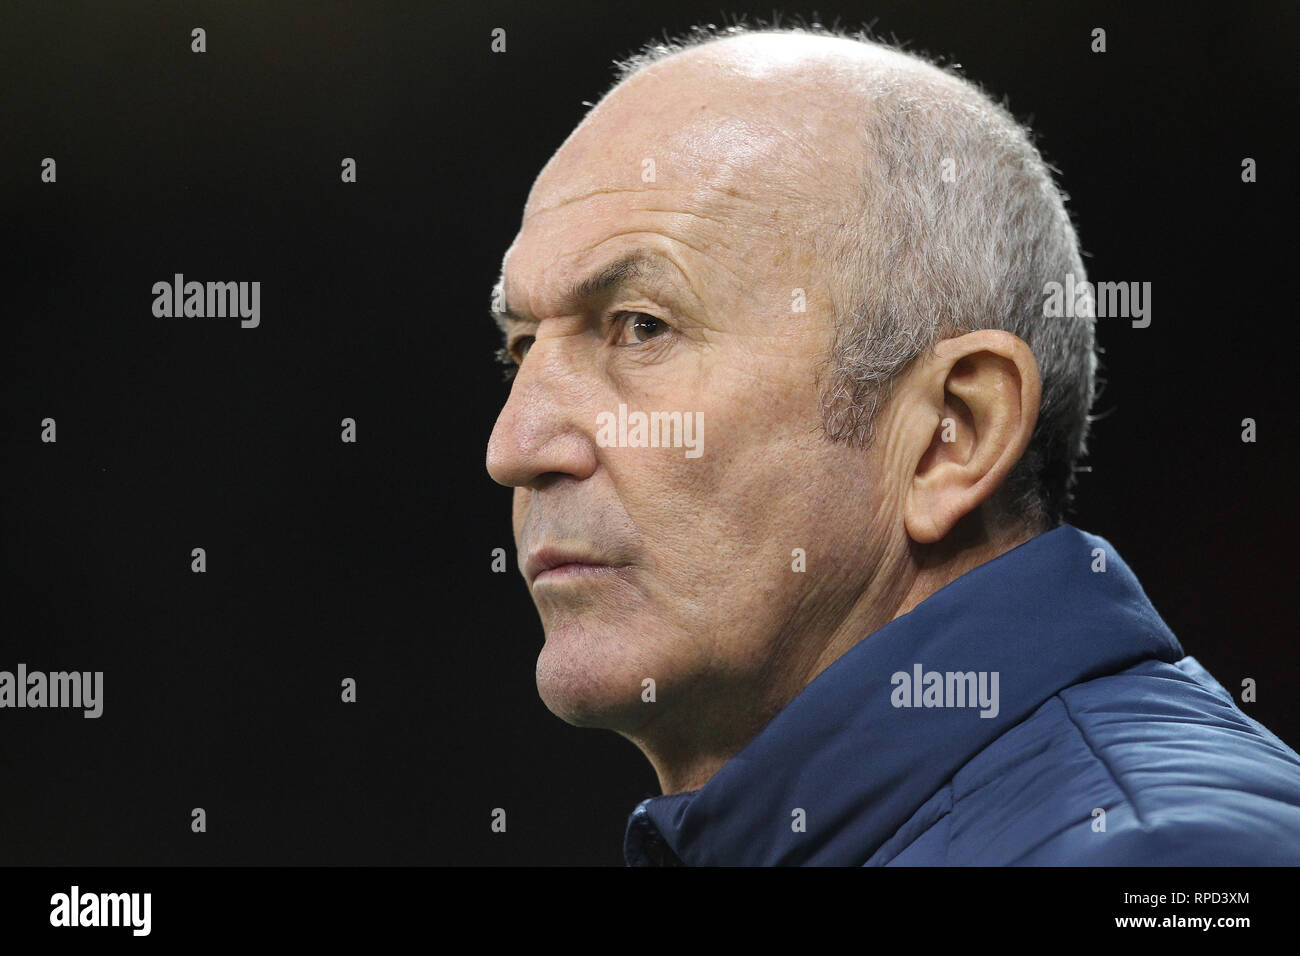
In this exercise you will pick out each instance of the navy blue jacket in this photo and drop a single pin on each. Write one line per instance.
(1103, 745)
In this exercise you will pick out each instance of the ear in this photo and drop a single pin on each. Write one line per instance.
(979, 393)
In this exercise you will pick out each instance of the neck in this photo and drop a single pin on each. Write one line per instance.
(716, 724)
(971, 542)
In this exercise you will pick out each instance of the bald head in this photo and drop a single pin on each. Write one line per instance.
(776, 116)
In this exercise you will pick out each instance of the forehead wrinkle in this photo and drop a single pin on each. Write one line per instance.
(702, 251)
(606, 191)
(685, 212)
(645, 264)
(720, 203)
(690, 283)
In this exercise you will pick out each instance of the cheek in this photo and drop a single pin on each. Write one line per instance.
(519, 510)
(739, 507)
(738, 500)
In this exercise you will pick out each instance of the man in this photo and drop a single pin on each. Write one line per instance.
(791, 441)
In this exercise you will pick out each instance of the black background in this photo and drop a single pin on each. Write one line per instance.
(328, 560)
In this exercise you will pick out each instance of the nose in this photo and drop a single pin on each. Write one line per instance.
(542, 431)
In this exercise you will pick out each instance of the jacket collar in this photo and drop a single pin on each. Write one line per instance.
(857, 765)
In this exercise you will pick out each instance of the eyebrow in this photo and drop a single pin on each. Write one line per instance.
(604, 280)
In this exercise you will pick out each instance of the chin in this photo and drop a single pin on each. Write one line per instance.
(591, 680)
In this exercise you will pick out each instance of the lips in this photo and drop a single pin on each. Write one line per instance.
(555, 561)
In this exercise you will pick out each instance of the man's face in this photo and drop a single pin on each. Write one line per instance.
(695, 584)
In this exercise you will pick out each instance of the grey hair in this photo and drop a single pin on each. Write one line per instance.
(931, 259)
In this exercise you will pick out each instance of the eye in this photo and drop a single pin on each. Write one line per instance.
(642, 325)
